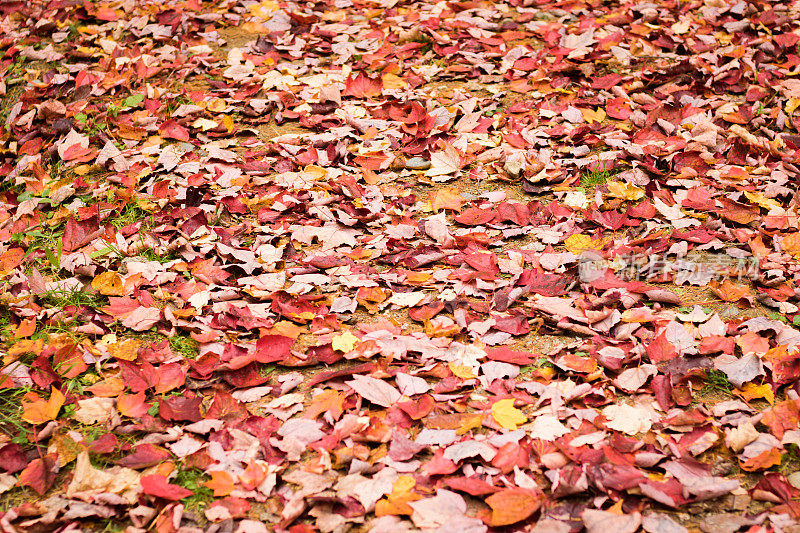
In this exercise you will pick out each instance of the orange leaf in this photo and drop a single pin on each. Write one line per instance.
(221, 483)
(24, 346)
(510, 506)
(728, 291)
(791, 244)
(132, 405)
(328, 401)
(126, 350)
(107, 388)
(396, 503)
(762, 461)
(40, 411)
(252, 476)
(446, 198)
(26, 328)
(750, 391)
(11, 259)
(108, 284)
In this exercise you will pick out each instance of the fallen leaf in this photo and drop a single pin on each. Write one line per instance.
(108, 284)
(505, 414)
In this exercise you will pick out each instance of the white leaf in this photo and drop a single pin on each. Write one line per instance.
(448, 161)
(547, 427)
(629, 419)
(632, 379)
(375, 390)
(411, 385)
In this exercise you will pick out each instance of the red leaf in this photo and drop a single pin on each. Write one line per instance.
(737, 211)
(172, 130)
(513, 212)
(180, 408)
(145, 456)
(470, 485)
(419, 408)
(76, 151)
(80, 233)
(509, 456)
(425, 312)
(508, 355)
(132, 405)
(12, 458)
(475, 217)
(618, 108)
(271, 348)
(362, 86)
(157, 485)
(170, 376)
(660, 350)
(39, 474)
(226, 407)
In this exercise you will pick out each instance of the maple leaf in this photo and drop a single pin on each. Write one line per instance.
(362, 86)
(221, 483)
(328, 401)
(41, 411)
(506, 414)
(446, 198)
(443, 163)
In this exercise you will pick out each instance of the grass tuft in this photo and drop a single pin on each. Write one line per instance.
(71, 298)
(716, 380)
(185, 346)
(591, 180)
(11, 422)
(542, 362)
(193, 479)
(132, 214)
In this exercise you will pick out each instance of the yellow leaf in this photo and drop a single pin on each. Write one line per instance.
(751, 390)
(264, 9)
(579, 242)
(204, 124)
(625, 191)
(40, 411)
(461, 371)
(507, 415)
(593, 116)
(791, 105)
(314, 172)
(216, 105)
(393, 81)
(227, 120)
(345, 342)
(616, 508)
(108, 284)
(761, 200)
(82, 170)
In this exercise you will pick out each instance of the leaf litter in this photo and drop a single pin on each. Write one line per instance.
(388, 265)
